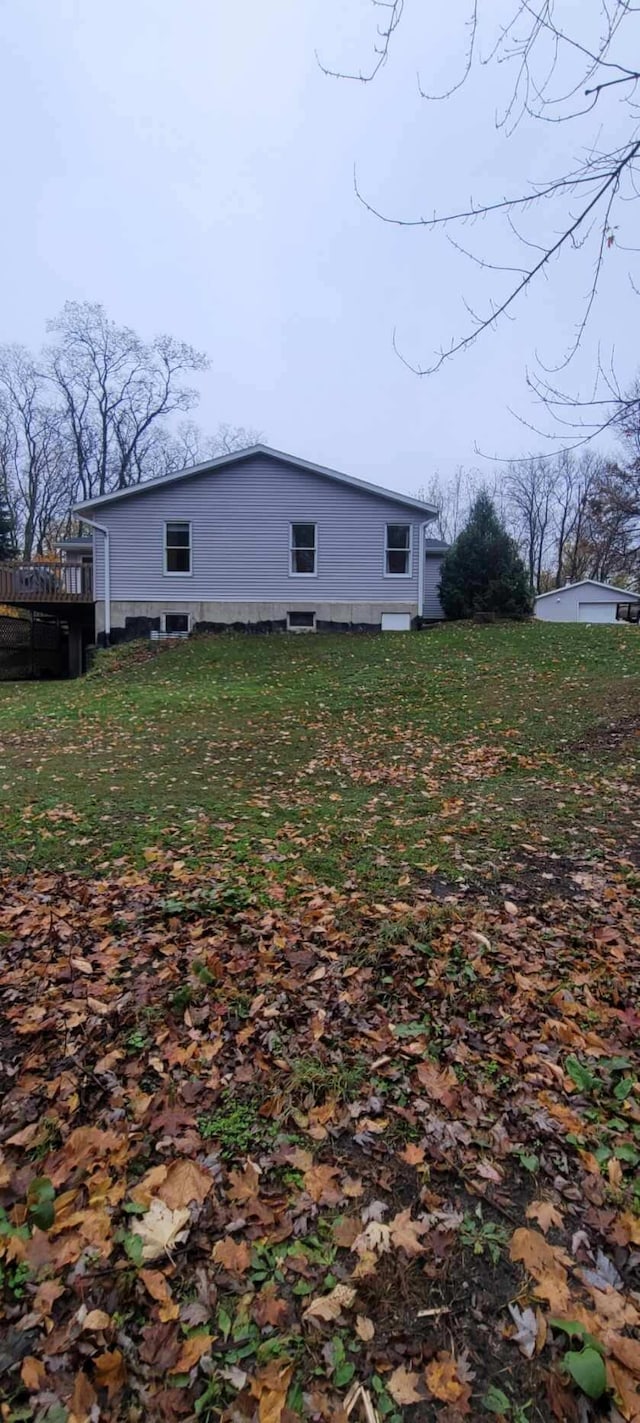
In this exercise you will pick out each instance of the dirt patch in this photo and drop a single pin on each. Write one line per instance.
(608, 735)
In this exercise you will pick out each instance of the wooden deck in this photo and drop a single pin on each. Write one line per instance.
(25, 584)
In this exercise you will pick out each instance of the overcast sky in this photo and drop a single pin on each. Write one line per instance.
(186, 163)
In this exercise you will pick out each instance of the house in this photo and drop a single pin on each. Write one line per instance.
(586, 602)
(260, 540)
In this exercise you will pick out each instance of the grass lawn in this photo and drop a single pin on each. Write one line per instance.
(320, 1030)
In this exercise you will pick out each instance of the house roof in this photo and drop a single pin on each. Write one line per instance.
(623, 594)
(81, 541)
(435, 546)
(223, 461)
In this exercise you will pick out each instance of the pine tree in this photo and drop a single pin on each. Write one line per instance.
(7, 531)
(483, 571)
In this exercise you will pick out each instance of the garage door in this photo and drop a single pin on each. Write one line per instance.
(596, 612)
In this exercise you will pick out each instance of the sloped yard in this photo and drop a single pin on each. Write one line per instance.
(320, 1031)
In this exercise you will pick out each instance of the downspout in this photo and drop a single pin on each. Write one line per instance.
(107, 574)
(421, 559)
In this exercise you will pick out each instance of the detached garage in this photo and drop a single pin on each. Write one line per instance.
(585, 602)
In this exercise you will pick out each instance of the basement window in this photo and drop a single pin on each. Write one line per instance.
(301, 622)
(176, 624)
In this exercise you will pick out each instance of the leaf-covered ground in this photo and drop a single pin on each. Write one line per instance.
(320, 1032)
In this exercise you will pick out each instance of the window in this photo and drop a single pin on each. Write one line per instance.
(176, 623)
(299, 622)
(177, 548)
(303, 550)
(397, 561)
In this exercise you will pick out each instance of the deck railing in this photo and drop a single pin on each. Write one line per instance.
(60, 582)
(628, 612)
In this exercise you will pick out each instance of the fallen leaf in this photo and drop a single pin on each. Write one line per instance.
(405, 1387)
(413, 1155)
(405, 1233)
(442, 1378)
(526, 1331)
(110, 1371)
(365, 1328)
(82, 1401)
(375, 1237)
(269, 1308)
(191, 1352)
(96, 1320)
(319, 1183)
(33, 1373)
(160, 1229)
(329, 1307)
(271, 1387)
(604, 1276)
(185, 1182)
(233, 1255)
(538, 1257)
(545, 1213)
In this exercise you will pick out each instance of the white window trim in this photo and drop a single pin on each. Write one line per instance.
(292, 572)
(385, 550)
(188, 616)
(308, 612)
(167, 572)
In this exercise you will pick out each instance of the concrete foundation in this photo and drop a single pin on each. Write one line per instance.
(136, 619)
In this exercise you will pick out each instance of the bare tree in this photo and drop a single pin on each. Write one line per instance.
(114, 389)
(584, 72)
(453, 499)
(166, 449)
(33, 454)
(530, 488)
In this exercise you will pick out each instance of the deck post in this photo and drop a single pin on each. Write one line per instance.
(75, 650)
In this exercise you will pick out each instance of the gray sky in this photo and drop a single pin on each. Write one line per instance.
(188, 164)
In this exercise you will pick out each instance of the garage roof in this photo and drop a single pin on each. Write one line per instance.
(623, 595)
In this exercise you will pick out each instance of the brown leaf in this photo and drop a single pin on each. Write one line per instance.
(269, 1308)
(537, 1255)
(627, 1351)
(271, 1387)
(96, 1320)
(319, 1183)
(626, 1390)
(405, 1387)
(405, 1233)
(412, 1154)
(555, 1290)
(233, 1255)
(33, 1373)
(346, 1230)
(613, 1309)
(110, 1371)
(545, 1213)
(82, 1401)
(185, 1182)
(160, 1346)
(244, 1186)
(365, 1328)
(440, 1084)
(442, 1379)
(329, 1307)
(191, 1352)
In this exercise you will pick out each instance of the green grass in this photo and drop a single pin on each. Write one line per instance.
(323, 757)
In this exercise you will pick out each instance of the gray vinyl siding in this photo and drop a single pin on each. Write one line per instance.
(240, 522)
(431, 604)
